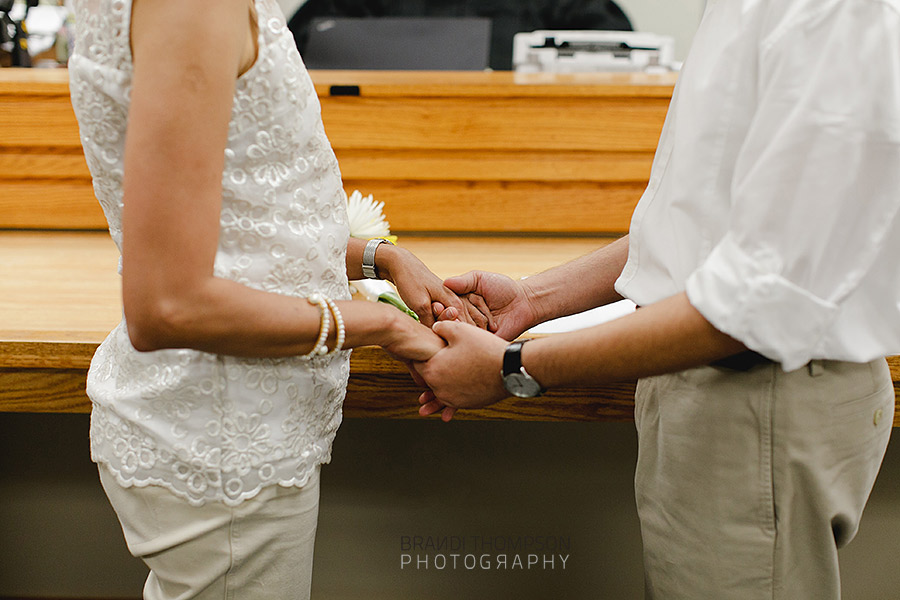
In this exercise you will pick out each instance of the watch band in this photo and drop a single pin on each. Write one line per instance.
(512, 358)
(368, 258)
(516, 379)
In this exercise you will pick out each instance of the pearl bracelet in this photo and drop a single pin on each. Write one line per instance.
(320, 347)
(339, 324)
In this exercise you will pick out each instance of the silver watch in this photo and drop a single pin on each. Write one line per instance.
(368, 259)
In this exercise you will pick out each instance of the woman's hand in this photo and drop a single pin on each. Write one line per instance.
(423, 291)
(408, 340)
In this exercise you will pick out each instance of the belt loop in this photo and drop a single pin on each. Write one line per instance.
(815, 367)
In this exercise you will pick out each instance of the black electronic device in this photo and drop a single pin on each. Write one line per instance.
(399, 43)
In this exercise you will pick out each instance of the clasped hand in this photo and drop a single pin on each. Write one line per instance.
(466, 373)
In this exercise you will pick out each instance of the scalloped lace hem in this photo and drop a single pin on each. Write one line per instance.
(194, 500)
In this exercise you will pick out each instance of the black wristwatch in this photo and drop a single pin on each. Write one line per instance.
(516, 379)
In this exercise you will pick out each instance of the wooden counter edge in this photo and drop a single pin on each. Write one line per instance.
(55, 82)
(379, 387)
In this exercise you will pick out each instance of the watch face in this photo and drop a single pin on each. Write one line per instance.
(521, 386)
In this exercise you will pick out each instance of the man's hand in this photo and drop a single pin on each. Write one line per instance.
(506, 302)
(465, 374)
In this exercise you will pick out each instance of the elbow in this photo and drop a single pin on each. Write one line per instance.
(142, 338)
(154, 324)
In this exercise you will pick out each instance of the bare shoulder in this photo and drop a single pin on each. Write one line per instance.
(192, 33)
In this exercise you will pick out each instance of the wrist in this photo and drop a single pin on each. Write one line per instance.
(394, 325)
(371, 251)
(387, 259)
(516, 379)
(535, 301)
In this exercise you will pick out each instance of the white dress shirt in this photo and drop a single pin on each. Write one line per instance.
(774, 199)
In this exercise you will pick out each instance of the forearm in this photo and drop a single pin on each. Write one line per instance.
(553, 294)
(225, 317)
(355, 248)
(667, 336)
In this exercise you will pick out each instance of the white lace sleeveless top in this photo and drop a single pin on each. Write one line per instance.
(211, 427)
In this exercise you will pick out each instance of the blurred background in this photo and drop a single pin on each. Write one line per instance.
(39, 33)
(395, 480)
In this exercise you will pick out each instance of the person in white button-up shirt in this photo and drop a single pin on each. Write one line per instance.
(764, 255)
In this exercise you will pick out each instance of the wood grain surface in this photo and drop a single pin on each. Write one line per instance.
(486, 152)
(59, 296)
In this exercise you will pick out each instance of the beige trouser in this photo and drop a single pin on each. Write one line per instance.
(747, 483)
(261, 549)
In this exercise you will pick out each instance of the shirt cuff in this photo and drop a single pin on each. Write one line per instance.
(745, 297)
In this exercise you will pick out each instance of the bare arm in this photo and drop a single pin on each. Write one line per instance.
(668, 336)
(554, 295)
(515, 306)
(187, 56)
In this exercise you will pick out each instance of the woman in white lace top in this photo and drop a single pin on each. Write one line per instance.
(203, 134)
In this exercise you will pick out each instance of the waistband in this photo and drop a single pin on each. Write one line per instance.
(742, 361)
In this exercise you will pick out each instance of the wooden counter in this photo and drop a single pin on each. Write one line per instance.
(477, 163)
(60, 296)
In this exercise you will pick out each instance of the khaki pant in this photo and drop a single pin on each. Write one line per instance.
(747, 483)
(261, 549)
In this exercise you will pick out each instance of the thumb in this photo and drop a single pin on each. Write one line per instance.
(449, 330)
(463, 284)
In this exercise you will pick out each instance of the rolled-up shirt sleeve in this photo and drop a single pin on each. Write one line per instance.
(816, 189)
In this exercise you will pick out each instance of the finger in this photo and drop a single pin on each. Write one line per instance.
(478, 319)
(465, 316)
(430, 408)
(426, 397)
(447, 414)
(448, 330)
(420, 303)
(477, 301)
(425, 316)
(437, 308)
(479, 311)
(463, 284)
(451, 300)
(450, 314)
(446, 298)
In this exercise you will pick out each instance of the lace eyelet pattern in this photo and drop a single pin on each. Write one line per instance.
(209, 427)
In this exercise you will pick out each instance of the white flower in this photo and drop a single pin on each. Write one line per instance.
(366, 217)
